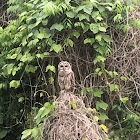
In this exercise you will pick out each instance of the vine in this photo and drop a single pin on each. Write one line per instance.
(95, 36)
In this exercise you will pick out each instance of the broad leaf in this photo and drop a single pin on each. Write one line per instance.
(70, 14)
(69, 42)
(107, 38)
(21, 99)
(94, 28)
(124, 99)
(40, 55)
(103, 29)
(15, 83)
(101, 105)
(98, 37)
(104, 127)
(45, 112)
(57, 26)
(89, 40)
(98, 92)
(3, 133)
(75, 33)
(113, 87)
(123, 78)
(10, 68)
(84, 139)
(83, 16)
(51, 80)
(72, 103)
(30, 68)
(50, 67)
(99, 59)
(35, 132)
(26, 133)
(88, 9)
(103, 117)
(56, 48)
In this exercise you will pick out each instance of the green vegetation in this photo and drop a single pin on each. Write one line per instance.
(97, 36)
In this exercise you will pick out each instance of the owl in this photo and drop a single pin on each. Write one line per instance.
(66, 77)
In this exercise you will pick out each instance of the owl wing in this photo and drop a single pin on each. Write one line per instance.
(72, 79)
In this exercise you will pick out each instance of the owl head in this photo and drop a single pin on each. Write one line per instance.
(64, 66)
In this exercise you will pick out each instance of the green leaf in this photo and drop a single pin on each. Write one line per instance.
(46, 53)
(83, 91)
(88, 9)
(75, 33)
(111, 74)
(90, 90)
(103, 29)
(101, 105)
(70, 14)
(45, 112)
(56, 48)
(45, 22)
(79, 8)
(124, 99)
(57, 26)
(102, 117)
(26, 133)
(21, 99)
(24, 42)
(3, 133)
(89, 40)
(69, 42)
(35, 132)
(30, 68)
(40, 35)
(104, 127)
(14, 83)
(84, 139)
(47, 104)
(99, 59)
(1, 119)
(83, 16)
(98, 37)
(94, 28)
(41, 94)
(72, 103)
(107, 38)
(97, 70)
(123, 78)
(10, 68)
(15, 69)
(39, 55)
(27, 57)
(99, 18)
(33, 42)
(95, 14)
(51, 80)
(50, 67)
(137, 104)
(31, 26)
(113, 87)
(101, 9)
(98, 92)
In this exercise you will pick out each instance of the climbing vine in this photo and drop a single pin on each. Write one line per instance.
(82, 32)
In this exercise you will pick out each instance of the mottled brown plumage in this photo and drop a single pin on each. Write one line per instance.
(66, 78)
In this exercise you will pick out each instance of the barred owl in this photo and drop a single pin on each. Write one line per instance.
(66, 77)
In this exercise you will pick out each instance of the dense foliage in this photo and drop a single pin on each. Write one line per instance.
(87, 34)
